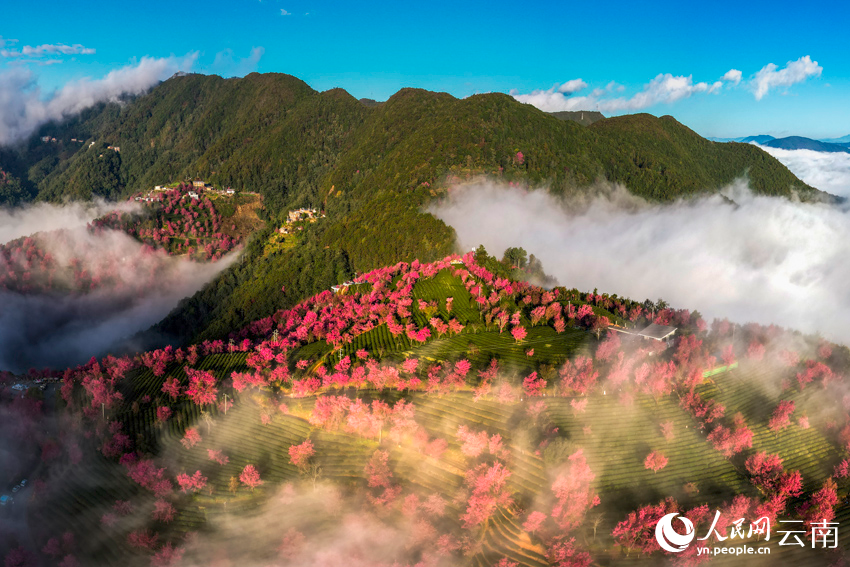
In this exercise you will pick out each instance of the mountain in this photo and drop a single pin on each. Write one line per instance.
(760, 139)
(369, 168)
(583, 117)
(842, 140)
(274, 134)
(800, 143)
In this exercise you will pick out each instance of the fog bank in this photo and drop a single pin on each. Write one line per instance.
(24, 221)
(762, 259)
(827, 171)
(60, 324)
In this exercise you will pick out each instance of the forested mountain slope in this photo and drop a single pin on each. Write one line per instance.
(369, 168)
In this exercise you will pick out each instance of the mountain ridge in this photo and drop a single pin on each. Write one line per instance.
(371, 169)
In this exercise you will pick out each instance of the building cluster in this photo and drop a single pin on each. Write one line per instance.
(198, 187)
(296, 215)
(303, 214)
(52, 140)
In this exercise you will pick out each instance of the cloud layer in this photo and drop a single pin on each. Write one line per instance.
(23, 107)
(62, 330)
(15, 223)
(827, 171)
(765, 259)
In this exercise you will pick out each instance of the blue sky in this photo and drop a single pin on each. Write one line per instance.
(373, 49)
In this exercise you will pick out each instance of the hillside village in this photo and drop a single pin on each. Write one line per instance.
(199, 187)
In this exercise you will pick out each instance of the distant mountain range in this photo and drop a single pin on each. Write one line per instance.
(794, 143)
(842, 140)
(800, 143)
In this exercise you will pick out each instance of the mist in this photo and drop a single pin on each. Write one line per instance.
(827, 171)
(760, 259)
(15, 223)
(64, 328)
(23, 106)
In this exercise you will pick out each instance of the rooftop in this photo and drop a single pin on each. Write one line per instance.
(657, 332)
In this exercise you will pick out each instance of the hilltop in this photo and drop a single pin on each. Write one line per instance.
(448, 415)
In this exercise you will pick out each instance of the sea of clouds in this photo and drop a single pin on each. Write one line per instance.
(762, 259)
(828, 171)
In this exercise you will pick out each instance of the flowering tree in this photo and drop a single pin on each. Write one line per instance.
(637, 531)
(250, 477)
(201, 388)
(163, 511)
(519, 333)
(534, 521)
(300, 455)
(730, 442)
(194, 483)
(191, 438)
(781, 417)
(655, 461)
(472, 444)
(378, 472)
(533, 385)
(820, 507)
(217, 456)
(767, 474)
(574, 495)
(577, 376)
(488, 484)
(171, 387)
(563, 552)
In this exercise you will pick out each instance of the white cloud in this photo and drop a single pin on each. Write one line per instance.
(47, 49)
(732, 76)
(23, 108)
(572, 86)
(15, 223)
(663, 89)
(827, 171)
(770, 76)
(227, 65)
(763, 259)
(285, 13)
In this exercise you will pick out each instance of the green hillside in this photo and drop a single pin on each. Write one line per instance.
(370, 168)
(583, 117)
